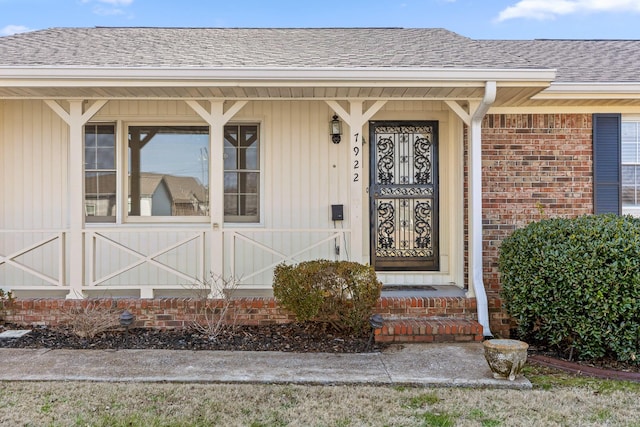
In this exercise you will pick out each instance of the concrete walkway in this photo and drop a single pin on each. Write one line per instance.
(444, 365)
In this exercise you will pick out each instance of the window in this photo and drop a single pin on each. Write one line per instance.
(631, 167)
(241, 173)
(168, 171)
(100, 172)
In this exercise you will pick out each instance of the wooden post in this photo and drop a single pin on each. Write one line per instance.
(356, 118)
(216, 118)
(76, 119)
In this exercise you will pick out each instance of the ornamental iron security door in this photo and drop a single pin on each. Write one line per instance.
(403, 195)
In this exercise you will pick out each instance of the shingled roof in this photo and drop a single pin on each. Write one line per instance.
(425, 63)
(583, 61)
(253, 48)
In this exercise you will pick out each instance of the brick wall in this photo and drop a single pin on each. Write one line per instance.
(149, 313)
(534, 166)
(181, 312)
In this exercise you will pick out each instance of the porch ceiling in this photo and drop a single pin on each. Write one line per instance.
(513, 94)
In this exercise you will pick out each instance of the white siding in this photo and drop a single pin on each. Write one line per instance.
(303, 173)
(33, 186)
(302, 177)
(34, 154)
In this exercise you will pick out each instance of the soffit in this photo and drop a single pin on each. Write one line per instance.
(511, 95)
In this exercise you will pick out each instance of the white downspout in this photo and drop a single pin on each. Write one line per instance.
(475, 205)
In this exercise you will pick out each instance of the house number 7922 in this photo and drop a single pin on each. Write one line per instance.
(356, 162)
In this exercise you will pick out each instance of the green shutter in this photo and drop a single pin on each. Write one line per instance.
(607, 163)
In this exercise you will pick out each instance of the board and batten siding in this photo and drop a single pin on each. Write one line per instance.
(33, 186)
(302, 174)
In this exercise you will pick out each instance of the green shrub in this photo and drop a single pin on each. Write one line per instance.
(574, 285)
(341, 293)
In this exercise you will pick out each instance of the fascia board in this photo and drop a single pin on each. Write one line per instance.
(590, 91)
(54, 76)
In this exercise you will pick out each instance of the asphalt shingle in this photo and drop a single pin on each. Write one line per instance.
(579, 61)
(252, 47)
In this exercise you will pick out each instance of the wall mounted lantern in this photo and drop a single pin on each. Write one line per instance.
(335, 129)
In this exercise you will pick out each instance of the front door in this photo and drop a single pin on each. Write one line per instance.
(403, 193)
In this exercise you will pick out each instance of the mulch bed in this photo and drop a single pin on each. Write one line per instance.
(586, 369)
(292, 337)
(607, 368)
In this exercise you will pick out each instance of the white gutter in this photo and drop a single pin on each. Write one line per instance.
(627, 90)
(475, 205)
(20, 75)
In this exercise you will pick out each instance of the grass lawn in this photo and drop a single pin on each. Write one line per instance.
(557, 399)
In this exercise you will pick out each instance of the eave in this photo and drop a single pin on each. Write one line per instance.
(582, 91)
(268, 84)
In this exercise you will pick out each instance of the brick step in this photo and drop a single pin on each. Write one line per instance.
(429, 329)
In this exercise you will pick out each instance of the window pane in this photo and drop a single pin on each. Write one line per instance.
(105, 136)
(105, 158)
(230, 157)
(99, 151)
(630, 185)
(90, 158)
(242, 173)
(168, 170)
(248, 182)
(249, 205)
(629, 132)
(100, 193)
(230, 182)
(231, 205)
(100, 174)
(249, 158)
(249, 135)
(630, 142)
(629, 152)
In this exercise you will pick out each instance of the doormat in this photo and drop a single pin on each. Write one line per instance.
(395, 288)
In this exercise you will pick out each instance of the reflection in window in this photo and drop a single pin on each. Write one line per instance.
(100, 172)
(241, 173)
(168, 171)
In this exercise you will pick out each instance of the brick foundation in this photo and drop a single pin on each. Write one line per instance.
(163, 313)
(181, 312)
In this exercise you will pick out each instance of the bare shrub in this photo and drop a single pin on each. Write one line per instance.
(214, 300)
(6, 300)
(91, 318)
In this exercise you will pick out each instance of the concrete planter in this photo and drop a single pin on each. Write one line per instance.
(506, 358)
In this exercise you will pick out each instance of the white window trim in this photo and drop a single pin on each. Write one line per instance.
(633, 210)
(122, 166)
(261, 171)
(116, 130)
